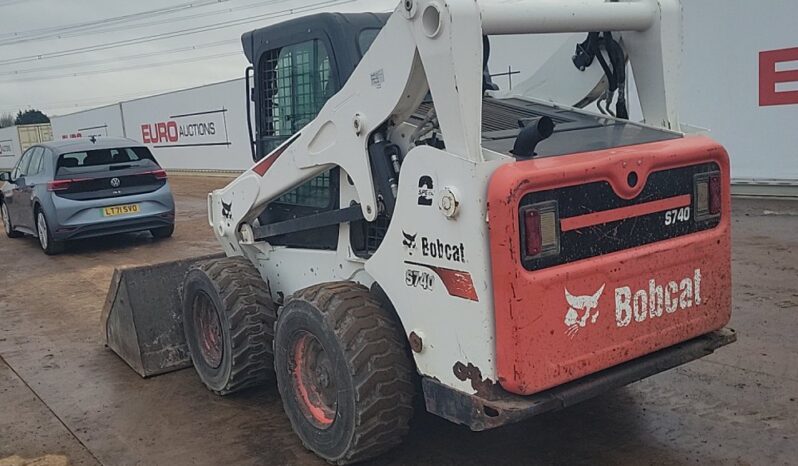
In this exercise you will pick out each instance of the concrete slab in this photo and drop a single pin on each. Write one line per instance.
(29, 430)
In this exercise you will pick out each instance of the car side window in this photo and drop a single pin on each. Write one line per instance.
(22, 165)
(35, 161)
(46, 155)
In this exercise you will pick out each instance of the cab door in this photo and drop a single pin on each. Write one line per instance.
(294, 82)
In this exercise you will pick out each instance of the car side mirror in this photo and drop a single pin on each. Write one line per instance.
(5, 176)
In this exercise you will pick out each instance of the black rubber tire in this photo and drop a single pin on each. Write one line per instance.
(246, 314)
(371, 366)
(53, 247)
(9, 228)
(163, 232)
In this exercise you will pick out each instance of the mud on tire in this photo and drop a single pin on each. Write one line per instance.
(228, 319)
(344, 372)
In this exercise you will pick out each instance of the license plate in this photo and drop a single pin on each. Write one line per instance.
(113, 211)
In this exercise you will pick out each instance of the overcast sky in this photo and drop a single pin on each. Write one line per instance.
(31, 31)
(62, 56)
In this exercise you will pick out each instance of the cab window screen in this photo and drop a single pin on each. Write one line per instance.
(297, 83)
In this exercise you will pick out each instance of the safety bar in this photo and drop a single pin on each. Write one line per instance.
(552, 16)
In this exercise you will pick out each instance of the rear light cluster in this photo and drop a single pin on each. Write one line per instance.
(159, 174)
(540, 230)
(62, 185)
(708, 196)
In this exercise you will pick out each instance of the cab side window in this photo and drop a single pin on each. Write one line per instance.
(296, 83)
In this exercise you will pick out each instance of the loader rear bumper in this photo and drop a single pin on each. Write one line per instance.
(501, 407)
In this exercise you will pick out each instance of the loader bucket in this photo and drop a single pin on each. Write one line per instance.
(141, 320)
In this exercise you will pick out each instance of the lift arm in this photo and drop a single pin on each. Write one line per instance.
(437, 46)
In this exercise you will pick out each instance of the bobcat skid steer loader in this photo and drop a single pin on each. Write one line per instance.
(409, 231)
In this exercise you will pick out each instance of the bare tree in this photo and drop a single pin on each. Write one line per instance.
(6, 119)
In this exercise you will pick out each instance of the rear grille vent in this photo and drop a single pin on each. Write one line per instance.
(497, 116)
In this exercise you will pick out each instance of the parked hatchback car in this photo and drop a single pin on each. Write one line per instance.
(84, 188)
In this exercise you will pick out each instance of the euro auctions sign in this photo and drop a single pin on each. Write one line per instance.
(778, 77)
(198, 129)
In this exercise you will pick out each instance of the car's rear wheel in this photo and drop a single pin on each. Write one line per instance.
(163, 232)
(7, 226)
(46, 241)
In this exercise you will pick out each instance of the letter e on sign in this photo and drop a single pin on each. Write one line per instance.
(770, 77)
(146, 137)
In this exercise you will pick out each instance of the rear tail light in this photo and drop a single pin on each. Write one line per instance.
(708, 196)
(159, 174)
(540, 232)
(62, 185)
(58, 185)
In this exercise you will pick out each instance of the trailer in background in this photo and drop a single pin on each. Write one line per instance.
(14, 140)
(98, 122)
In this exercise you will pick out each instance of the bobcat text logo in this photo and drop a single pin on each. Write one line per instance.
(584, 304)
(440, 250)
(435, 248)
(658, 300)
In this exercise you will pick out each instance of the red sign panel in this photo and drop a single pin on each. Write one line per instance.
(769, 77)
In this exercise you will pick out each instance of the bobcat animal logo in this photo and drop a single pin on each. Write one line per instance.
(409, 242)
(227, 210)
(584, 304)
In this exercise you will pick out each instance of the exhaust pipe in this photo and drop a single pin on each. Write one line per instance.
(532, 132)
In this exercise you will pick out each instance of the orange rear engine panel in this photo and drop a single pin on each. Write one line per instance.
(635, 272)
